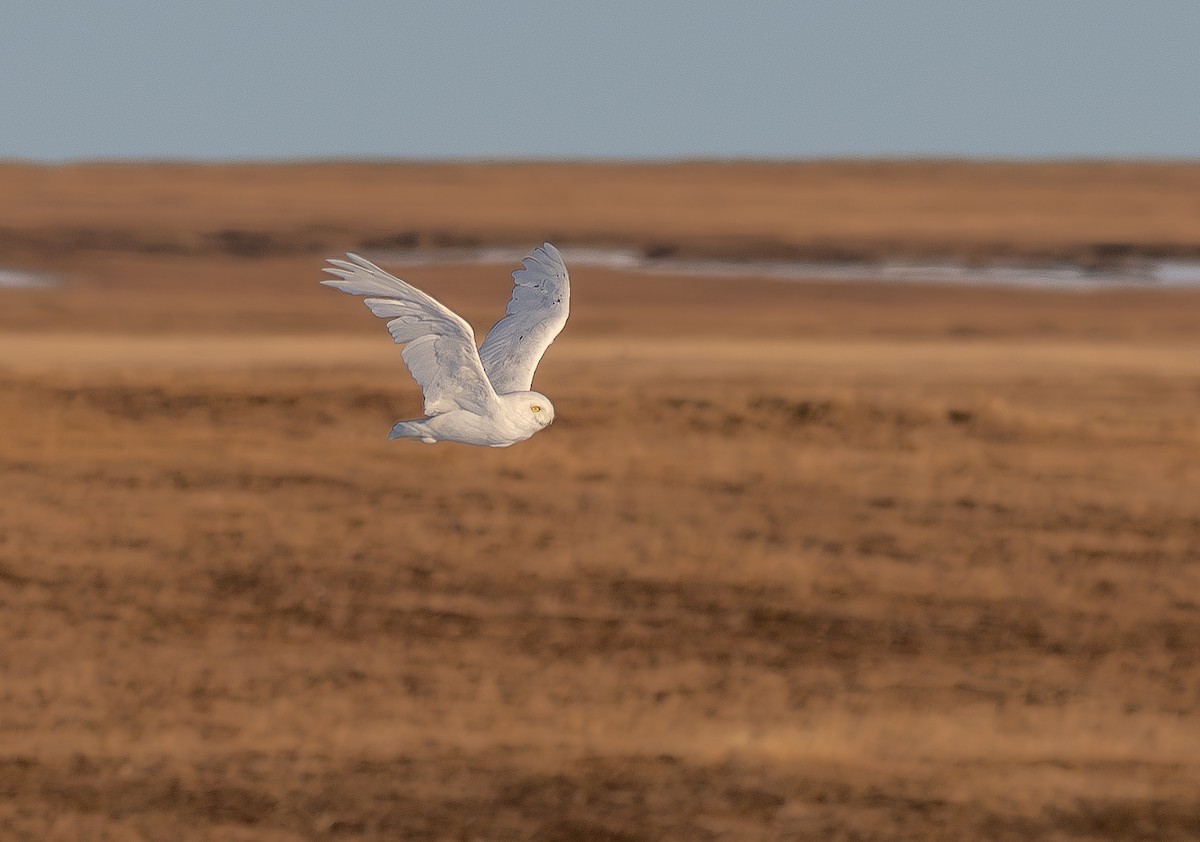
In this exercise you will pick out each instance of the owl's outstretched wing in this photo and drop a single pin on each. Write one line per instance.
(439, 346)
(535, 315)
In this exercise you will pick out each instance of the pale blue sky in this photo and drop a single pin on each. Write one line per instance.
(219, 80)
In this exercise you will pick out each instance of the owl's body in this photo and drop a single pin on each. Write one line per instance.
(517, 417)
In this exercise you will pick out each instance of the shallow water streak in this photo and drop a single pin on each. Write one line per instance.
(21, 279)
(1148, 274)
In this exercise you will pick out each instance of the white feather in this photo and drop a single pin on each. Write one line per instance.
(476, 396)
(535, 315)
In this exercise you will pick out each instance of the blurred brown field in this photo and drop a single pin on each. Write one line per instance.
(796, 561)
(1088, 212)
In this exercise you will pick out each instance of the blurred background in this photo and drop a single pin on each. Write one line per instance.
(870, 511)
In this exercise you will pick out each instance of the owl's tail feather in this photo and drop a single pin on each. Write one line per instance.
(411, 430)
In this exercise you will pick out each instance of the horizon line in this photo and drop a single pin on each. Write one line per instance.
(630, 160)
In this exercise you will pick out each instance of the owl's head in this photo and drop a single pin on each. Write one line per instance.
(540, 408)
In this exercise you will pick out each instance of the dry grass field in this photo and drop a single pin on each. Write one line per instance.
(816, 561)
(1096, 213)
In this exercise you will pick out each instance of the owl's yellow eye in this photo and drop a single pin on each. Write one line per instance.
(536, 408)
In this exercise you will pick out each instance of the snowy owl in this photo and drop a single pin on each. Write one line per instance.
(474, 396)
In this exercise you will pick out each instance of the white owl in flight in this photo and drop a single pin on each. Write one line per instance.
(475, 396)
